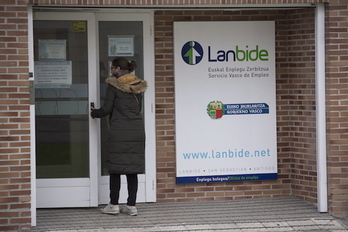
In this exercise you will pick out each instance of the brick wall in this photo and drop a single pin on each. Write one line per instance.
(14, 117)
(169, 2)
(295, 46)
(337, 105)
(295, 105)
(295, 102)
(301, 101)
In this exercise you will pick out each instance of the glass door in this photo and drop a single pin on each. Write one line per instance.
(64, 170)
(61, 97)
(72, 55)
(126, 35)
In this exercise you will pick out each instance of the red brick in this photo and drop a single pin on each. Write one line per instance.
(295, 97)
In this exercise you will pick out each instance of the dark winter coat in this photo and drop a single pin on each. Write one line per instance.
(126, 141)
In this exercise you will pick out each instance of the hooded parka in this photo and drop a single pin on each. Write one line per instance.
(125, 153)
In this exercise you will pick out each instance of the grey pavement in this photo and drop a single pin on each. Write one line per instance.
(270, 214)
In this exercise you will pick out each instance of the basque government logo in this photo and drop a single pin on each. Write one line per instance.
(192, 52)
(216, 109)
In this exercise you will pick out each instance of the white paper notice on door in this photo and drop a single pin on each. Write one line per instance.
(121, 45)
(56, 74)
(52, 50)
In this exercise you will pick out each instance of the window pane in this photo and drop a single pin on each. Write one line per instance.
(124, 31)
(61, 95)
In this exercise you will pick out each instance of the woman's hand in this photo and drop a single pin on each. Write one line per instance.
(92, 109)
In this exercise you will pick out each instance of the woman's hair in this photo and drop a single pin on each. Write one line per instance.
(124, 64)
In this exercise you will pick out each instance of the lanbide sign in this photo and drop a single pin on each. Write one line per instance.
(225, 103)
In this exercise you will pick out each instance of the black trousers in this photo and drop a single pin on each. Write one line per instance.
(115, 186)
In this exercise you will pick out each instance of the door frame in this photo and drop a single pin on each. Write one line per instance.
(91, 184)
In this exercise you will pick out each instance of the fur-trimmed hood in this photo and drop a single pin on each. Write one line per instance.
(128, 83)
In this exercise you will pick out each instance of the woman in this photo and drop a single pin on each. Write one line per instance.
(125, 153)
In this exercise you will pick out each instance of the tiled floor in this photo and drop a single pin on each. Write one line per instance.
(273, 214)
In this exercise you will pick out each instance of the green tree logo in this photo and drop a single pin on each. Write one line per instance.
(192, 53)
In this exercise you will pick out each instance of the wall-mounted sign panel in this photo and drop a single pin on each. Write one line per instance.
(56, 74)
(225, 102)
